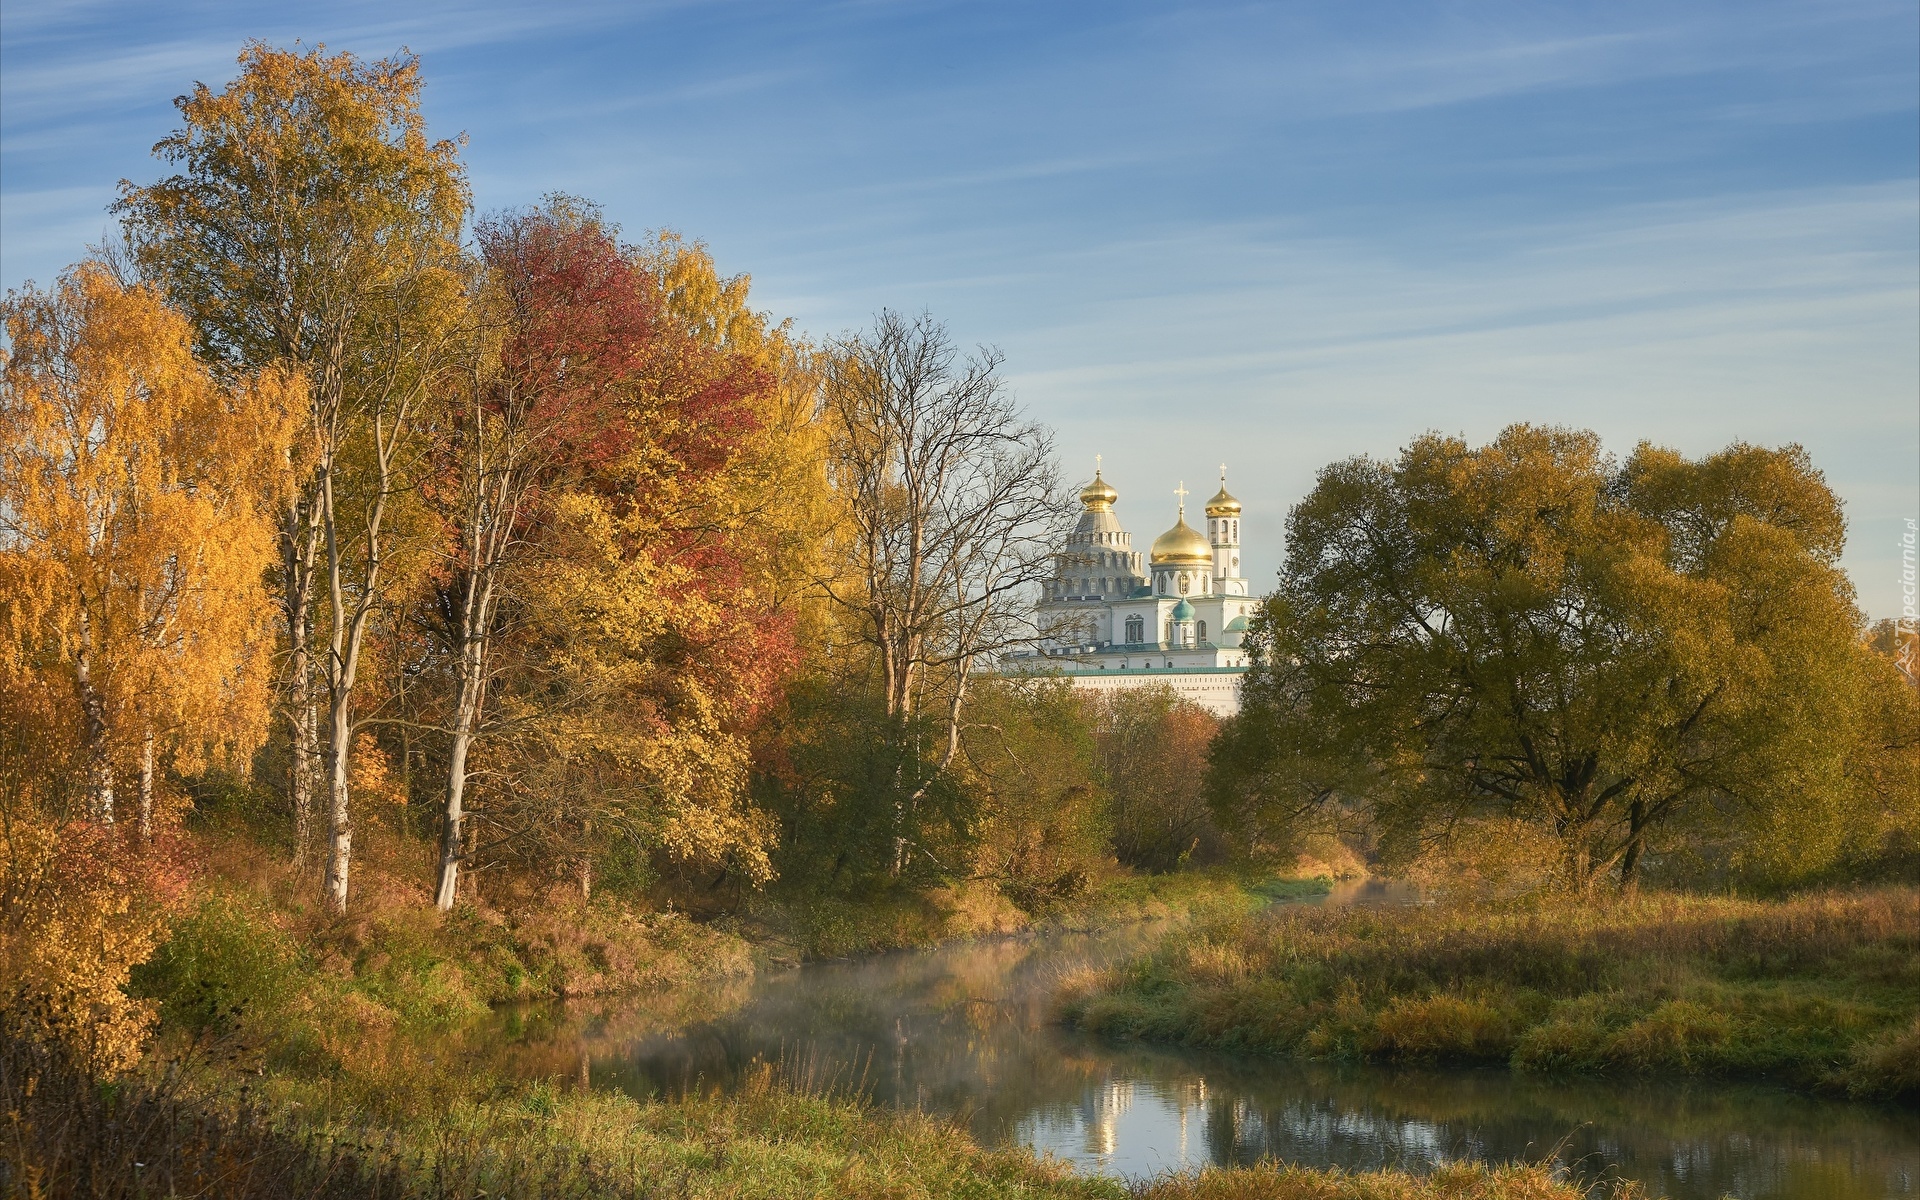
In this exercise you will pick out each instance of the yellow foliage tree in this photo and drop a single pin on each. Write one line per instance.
(776, 480)
(136, 526)
(633, 733)
(314, 223)
(665, 603)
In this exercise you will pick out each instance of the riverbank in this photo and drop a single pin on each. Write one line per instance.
(245, 956)
(297, 993)
(1820, 991)
(379, 1090)
(297, 1050)
(200, 1127)
(798, 927)
(250, 949)
(249, 961)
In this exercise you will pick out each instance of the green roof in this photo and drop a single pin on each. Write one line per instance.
(1183, 611)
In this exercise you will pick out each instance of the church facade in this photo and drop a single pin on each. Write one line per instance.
(1177, 619)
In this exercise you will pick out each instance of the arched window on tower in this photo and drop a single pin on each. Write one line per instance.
(1136, 631)
(1200, 630)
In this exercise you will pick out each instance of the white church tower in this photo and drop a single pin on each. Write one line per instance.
(1223, 531)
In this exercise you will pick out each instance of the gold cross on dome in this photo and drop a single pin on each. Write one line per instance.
(1181, 492)
(1096, 464)
(1223, 474)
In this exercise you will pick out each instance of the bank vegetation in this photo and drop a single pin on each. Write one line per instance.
(1821, 991)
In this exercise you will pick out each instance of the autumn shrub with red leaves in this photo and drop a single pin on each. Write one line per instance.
(80, 906)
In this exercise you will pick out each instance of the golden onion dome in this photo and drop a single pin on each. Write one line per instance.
(1099, 495)
(1182, 546)
(1223, 504)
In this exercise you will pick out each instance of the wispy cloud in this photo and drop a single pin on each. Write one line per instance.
(40, 232)
(1282, 232)
(1775, 318)
(57, 86)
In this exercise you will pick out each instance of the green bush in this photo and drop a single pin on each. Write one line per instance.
(225, 958)
(1445, 1027)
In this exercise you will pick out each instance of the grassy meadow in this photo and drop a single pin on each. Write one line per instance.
(1820, 991)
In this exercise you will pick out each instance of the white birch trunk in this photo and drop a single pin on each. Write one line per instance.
(93, 706)
(146, 785)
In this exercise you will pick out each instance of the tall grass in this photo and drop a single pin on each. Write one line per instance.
(1457, 1181)
(1822, 990)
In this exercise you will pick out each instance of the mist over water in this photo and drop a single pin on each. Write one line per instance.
(964, 1032)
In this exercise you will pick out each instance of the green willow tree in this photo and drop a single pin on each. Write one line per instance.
(1636, 657)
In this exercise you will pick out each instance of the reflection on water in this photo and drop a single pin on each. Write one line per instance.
(963, 1030)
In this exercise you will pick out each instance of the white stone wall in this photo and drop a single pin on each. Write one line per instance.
(1218, 693)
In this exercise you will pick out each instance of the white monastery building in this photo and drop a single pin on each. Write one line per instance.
(1177, 623)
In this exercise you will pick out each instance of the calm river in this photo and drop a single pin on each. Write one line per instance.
(963, 1030)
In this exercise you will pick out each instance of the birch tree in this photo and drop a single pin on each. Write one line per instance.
(135, 529)
(954, 504)
(313, 223)
(566, 325)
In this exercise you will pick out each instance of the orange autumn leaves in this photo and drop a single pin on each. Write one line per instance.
(614, 601)
(136, 532)
(133, 544)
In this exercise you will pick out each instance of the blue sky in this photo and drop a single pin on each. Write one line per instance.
(1270, 234)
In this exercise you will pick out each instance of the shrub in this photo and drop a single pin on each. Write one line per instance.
(226, 957)
(1886, 1067)
(74, 1133)
(1505, 862)
(1444, 1027)
(80, 905)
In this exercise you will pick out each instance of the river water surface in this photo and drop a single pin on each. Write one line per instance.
(964, 1031)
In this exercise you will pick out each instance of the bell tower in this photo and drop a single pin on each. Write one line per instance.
(1223, 534)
